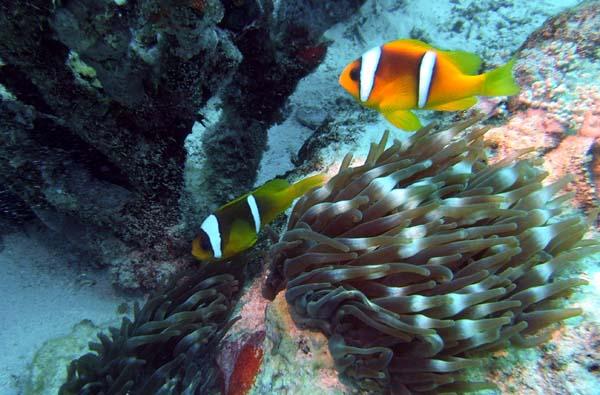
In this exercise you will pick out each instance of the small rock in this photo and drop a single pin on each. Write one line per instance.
(311, 118)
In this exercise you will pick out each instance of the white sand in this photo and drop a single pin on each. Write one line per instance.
(43, 293)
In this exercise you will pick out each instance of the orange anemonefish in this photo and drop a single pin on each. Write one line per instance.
(234, 227)
(402, 75)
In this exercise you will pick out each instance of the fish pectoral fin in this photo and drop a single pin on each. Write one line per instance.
(457, 105)
(467, 62)
(403, 119)
(242, 236)
(398, 94)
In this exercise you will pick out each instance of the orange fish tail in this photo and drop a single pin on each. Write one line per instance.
(500, 82)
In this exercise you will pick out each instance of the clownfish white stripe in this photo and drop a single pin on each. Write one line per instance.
(369, 63)
(425, 75)
(211, 227)
(254, 210)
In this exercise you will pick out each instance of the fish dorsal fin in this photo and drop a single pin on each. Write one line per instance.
(467, 62)
(233, 202)
(275, 185)
(268, 187)
(402, 43)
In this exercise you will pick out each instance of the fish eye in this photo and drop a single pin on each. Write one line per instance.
(355, 74)
(204, 242)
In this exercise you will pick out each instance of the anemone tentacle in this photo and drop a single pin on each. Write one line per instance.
(426, 256)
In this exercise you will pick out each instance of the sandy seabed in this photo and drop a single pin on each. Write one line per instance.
(44, 291)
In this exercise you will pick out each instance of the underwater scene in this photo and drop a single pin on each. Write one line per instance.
(246, 197)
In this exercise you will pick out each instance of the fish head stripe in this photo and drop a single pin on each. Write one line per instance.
(211, 227)
(426, 72)
(368, 70)
(255, 212)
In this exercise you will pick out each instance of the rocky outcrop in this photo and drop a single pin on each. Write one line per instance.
(557, 112)
(99, 96)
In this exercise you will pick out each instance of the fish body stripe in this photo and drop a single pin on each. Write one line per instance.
(255, 212)
(426, 70)
(211, 227)
(368, 69)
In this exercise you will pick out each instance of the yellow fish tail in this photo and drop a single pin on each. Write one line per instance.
(280, 194)
(301, 187)
(500, 82)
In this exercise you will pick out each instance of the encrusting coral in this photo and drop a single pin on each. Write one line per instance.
(426, 257)
(167, 349)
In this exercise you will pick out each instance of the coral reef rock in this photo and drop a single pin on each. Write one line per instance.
(558, 109)
(98, 98)
(48, 368)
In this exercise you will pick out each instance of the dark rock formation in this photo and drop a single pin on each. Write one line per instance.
(100, 96)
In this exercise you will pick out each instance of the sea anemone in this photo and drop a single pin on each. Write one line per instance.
(427, 257)
(167, 349)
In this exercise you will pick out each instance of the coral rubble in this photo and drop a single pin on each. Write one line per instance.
(426, 257)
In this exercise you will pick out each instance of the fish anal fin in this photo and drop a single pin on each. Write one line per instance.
(467, 62)
(405, 120)
(457, 105)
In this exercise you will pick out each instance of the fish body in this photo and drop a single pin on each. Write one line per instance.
(234, 227)
(404, 75)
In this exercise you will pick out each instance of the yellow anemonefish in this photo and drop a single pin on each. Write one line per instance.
(402, 75)
(234, 227)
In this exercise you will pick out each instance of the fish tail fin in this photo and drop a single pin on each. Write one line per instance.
(279, 194)
(500, 81)
(301, 187)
